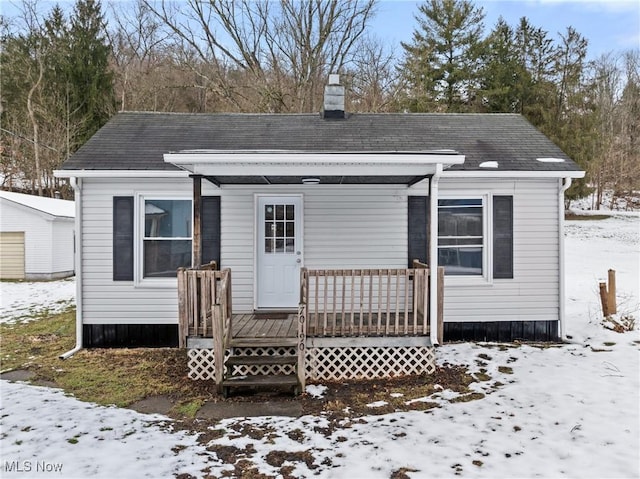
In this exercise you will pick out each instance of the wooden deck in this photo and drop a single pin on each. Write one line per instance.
(256, 330)
(253, 326)
(381, 317)
(262, 327)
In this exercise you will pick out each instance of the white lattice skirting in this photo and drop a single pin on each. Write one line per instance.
(328, 363)
(368, 362)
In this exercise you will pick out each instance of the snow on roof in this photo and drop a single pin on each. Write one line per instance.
(51, 206)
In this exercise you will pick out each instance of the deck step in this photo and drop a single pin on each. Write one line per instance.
(261, 360)
(264, 342)
(261, 380)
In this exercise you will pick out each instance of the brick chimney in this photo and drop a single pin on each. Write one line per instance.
(333, 106)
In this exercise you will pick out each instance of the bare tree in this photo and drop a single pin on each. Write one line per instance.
(374, 79)
(259, 52)
(137, 39)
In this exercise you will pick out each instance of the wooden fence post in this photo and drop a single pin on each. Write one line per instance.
(183, 315)
(218, 346)
(608, 294)
(613, 309)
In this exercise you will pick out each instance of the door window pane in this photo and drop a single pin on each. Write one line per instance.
(290, 245)
(269, 229)
(290, 212)
(268, 212)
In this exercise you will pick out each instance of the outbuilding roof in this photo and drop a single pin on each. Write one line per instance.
(50, 206)
(502, 142)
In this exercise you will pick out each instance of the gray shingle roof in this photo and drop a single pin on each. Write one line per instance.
(138, 140)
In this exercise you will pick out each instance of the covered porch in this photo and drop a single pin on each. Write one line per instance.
(363, 321)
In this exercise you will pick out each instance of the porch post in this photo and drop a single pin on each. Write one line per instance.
(196, 260)
(432, 234)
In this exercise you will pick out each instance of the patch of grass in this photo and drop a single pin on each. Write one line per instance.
(482, 375)
(577, 217)
(467, 397)
(505, 369)
(103, 376)
(402, 473)
(189, 408)
(609, 343)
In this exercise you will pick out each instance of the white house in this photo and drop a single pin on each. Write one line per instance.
(36, 237)
(269, 196)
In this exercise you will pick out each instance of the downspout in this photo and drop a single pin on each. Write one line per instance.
(76, 184)
(564, 186)
(433, 254)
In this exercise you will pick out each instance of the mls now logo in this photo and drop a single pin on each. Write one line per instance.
(31, 466)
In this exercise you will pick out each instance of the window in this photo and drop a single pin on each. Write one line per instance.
(461, 236)
(279, 228)
(167, 237)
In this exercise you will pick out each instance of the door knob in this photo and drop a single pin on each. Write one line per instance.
(298, 260)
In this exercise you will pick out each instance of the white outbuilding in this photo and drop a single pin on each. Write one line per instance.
(36, 237)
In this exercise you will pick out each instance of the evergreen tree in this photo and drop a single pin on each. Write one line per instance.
(441, 63)
(92, 97)
(56, 91)
(536, 55)
(504, 77)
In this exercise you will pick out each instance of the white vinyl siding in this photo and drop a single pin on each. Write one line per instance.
(348, 226)
(345, 226)
(533, 293)
(63, 257)
(110, 302)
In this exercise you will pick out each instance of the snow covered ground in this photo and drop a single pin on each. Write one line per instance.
(564, 411)
(20, 301)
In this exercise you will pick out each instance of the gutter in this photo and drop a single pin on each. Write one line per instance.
(564, 186)
(76, 183)
(433, 254)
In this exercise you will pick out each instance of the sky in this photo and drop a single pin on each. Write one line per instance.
(609, 25)
(569, 411)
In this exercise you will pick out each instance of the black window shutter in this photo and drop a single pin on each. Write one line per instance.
(418, 246)
(123, 238)
(503, 236)
(210, 229)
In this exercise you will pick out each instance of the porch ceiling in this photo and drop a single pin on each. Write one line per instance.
(324, 180)
(290, 167)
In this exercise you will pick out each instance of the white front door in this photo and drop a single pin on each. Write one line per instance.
(279, 251)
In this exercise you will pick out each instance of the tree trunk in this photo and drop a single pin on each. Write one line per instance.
(34, 123)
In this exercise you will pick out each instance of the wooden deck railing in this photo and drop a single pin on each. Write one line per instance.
(199, 290)
(377, 302)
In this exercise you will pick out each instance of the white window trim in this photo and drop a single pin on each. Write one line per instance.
(138, 240)
(486, 278)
